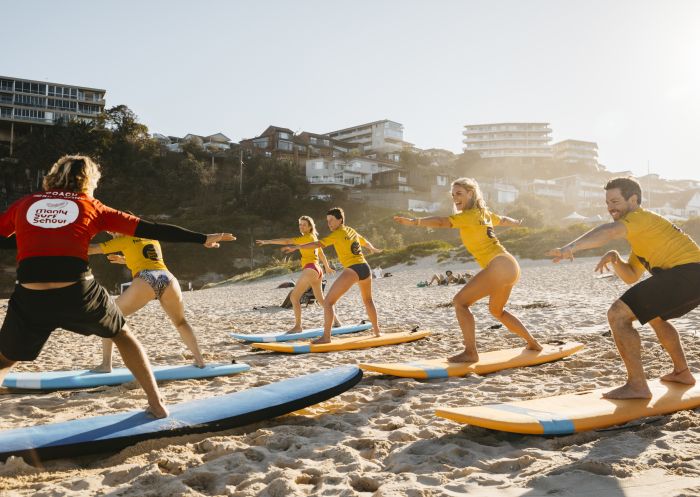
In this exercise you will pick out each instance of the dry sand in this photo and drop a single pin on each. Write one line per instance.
(381, 437)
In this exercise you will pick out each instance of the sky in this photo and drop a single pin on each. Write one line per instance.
(623, 73)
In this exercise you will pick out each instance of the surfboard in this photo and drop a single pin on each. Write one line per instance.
(113, 432)
(489, 362)
(59, 380)
(344, 343)
(310, 333)
(576, 412)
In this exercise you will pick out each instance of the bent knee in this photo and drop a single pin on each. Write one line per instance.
(619, 311)
(496, 312)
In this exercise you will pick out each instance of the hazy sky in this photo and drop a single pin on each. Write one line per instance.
(625, 74)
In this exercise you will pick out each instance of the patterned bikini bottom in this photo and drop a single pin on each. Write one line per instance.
(158, 280)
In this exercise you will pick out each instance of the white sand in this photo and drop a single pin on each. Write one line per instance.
(381, 437)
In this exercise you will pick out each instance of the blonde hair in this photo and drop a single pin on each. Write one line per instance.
(471, 185)
(75, 173)
(309, 220)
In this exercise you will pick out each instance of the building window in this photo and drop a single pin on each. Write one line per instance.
(260, 142)
(284, 136)
(285, 145)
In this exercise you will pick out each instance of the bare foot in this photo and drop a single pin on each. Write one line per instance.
(628, 391)
(337, 324)
(296, 329)
(464, 357)
(322, 340)
(534, 346)
(158, 411)
(685, 377)
(200, 364)
(102, 369)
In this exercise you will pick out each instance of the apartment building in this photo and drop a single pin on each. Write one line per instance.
(343, 173)
(576, 152)
(25, 103)
(379, 137)
(499, 140)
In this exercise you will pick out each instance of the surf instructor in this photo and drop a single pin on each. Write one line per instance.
(55, 287)
(672, 258)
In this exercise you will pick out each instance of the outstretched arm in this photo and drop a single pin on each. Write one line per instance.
(311, 245)
(425, 222)
(597, 237)
(628, 272)
(276, 241)
(509, 221)
(371, 247)
(173, 233)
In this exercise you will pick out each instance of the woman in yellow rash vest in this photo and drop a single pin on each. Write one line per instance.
(500, 271)
(151, 280)
(348, 245)
(311, 274)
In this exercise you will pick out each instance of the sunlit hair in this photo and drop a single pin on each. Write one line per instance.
(471, 185)
(311, 223)
(75, 173)
(628, 187)
(337, 213)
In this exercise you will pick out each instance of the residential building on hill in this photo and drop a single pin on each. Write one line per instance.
(26, 103)
(498, 140)
(383, 137)
(282, 144)
(576, 152)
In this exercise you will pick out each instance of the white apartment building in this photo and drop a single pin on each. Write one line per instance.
(379, 136)
(358, 171)
(524, 140)
(576, 151)
(546, 188)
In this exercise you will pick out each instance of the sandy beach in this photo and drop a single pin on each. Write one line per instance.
(381, 437)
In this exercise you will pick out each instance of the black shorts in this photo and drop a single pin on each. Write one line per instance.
(363, 270)
(666, 294)
(84, 307)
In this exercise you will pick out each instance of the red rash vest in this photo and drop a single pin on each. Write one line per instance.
(54, 229)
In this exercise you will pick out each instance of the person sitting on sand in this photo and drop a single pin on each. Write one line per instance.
(311, 273)
(151, 280)
(673, 259)
(348, 245)
(55, 287)
(500, 269)
(445, 279)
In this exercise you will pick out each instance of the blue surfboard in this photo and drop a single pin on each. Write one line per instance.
(59, 380)
(115, 431)
(310, 333)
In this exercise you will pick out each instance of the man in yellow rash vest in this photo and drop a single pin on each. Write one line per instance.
(672, 258)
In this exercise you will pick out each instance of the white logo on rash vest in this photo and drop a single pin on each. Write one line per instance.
(52, 213)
